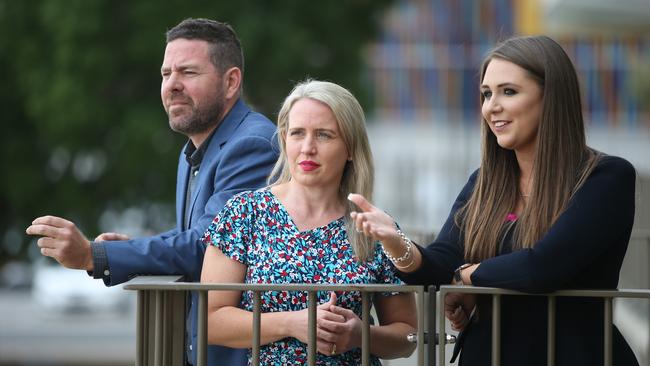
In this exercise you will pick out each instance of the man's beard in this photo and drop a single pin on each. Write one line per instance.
(199, 120)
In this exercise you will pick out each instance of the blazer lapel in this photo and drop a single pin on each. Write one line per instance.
(181, 184)
(225, 129)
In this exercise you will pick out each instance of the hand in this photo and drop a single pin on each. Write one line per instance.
(299, 324)
(62, 240)
(346, 335)
(111, 236)
(372, 221)
(458, 307)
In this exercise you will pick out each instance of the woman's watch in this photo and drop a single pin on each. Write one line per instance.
(458, 278)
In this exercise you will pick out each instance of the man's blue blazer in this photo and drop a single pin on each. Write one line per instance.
(240, 156)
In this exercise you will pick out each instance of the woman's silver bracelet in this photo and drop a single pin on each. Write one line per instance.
(403, 257)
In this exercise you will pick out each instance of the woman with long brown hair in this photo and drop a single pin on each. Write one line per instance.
(544, 212)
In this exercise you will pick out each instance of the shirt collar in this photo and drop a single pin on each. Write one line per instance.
(193, 155)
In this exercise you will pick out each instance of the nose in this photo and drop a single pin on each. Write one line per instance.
(172, 84)
(308, 146)
(491, 106)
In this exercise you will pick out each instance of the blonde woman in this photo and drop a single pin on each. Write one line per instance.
(298, 230)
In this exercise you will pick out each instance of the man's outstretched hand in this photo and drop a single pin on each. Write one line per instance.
(63, 241)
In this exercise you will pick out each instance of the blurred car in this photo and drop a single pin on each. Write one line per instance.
(16, 275)
(60, 290)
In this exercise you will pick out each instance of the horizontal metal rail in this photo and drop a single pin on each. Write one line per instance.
(606, 295)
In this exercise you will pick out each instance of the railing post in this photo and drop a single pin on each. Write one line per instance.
(255, 352)
(608, 331)
(141, 329)
(550, 333)
(365, 329)
(165, 329)
(431, 326)
(496, 330)
(312, 301)
(202, 331)
(158, 326)
(441, 328)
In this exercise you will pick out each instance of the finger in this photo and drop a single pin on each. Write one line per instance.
(328, 315)
(358, 220)
(330, 301)
(325, 335)
(333, 297)
(452, 299)
(324, 347)
(53, 221)
(454, 318)
(331, 326)
(449, 313)
(111, 236)
(458, 315)
(366, 228)
(458, 318)
(451, 307)
(49, 252)
(361, 202)
(346, 313)
(47, 243)
(43, 230)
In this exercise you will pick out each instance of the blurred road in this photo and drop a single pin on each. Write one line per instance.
(33, 336)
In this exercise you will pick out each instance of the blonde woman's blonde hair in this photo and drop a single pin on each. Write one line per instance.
(358, 176)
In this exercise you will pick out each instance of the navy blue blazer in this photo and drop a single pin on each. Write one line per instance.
(239, 157)
(584, 249)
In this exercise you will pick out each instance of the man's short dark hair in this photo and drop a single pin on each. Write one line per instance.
(225, 48)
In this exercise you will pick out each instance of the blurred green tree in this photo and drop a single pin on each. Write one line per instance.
(84, 131)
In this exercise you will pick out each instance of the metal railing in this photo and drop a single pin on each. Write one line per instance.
(496, 293)
(161, 326)
(161, 330)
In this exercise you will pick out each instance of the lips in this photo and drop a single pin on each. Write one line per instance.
(178, 99)
(308, 165)
(500, 124)
(177, 102)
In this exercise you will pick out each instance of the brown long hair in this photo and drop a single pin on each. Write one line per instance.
(562, 161)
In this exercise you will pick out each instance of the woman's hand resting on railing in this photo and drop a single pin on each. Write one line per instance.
(458, 309)
(344, 335)
(337, 329)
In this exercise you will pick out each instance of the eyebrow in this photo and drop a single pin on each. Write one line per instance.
(317, 129)
(179, 68)
(484, 86)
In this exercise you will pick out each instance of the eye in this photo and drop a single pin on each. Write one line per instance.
(509, 91)
(296, 133)
(323, 135)
(486, 94)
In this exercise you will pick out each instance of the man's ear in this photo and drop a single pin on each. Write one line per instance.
(232, 81)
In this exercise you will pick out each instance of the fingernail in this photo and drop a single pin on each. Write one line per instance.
(350, 196)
